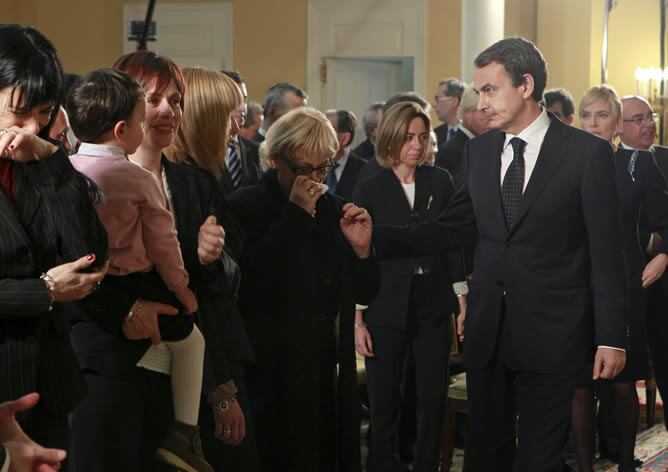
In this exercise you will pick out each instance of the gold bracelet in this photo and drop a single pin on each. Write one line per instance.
(134, 311)
(50, 288)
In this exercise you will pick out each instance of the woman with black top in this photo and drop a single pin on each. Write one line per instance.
(640, 186)
(413, 309)
(306, 262)
(48, 226)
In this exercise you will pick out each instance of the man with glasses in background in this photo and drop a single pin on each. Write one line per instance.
(446, 102)
(639, 132)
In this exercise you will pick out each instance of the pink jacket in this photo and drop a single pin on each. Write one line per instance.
(140, 229)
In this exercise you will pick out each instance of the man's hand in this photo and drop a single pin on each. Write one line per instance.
(356, 227)
(21, 145)
(230, 425)
(608, 363)
(210, 241)
(26, 455)
(654, 269)
(461, 318)
(69, 284)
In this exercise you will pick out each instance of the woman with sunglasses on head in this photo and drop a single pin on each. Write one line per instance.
(642, 189)
(129, 407)
(306, 262)
(48, 227)
(410, 317)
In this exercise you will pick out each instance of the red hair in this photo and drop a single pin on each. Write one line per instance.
(147, 66)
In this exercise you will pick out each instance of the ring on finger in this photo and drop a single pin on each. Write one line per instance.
(3, 132)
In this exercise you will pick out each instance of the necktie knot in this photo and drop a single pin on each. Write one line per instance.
(518, 146)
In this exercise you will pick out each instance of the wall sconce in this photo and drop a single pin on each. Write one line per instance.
(652, 84)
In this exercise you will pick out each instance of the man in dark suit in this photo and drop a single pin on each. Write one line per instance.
(473, 123)
(548, 293)
(367, 149)
(446, 103)
(639, 132)
(560, 102)
(242, 157)
(280, 99)
(342, 179)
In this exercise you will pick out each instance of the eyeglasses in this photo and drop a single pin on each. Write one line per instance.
(308, 170)
(638, 120)
(441, 98)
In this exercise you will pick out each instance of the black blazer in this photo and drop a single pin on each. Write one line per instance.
(52, 221)
(249, 158)
(383, 197)
(365, 150)
(449, 156)
(370, 168)
(348, 180)
(441, 134)
(97, 336)
(559, 271)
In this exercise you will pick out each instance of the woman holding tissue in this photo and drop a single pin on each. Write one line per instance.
(409, 321)
(306, 262)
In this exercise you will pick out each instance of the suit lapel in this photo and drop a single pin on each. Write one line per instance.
(551, 153)
(490, 177)
(422, 190)
(28, 200)
(9, 216)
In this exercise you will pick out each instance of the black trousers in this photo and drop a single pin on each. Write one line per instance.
(506, 403)
(428, 342)
(120, 422)
(219, 455)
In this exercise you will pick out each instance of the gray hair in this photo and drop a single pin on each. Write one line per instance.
(453, 87)
(372, 116)
(253, 109)
(274, 97)
(468, 101)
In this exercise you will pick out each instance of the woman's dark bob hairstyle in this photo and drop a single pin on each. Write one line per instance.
(29, 65)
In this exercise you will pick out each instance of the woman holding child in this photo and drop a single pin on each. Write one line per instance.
(123, 374)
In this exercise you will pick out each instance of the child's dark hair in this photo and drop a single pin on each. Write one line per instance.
(105, 97)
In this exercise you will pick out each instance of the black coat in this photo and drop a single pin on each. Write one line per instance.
(53, 221)
(365, 150)
(383, 197)
(441, 134)
(349, 176)
(249, 158)
(281, 279)
(560, 269)
(450, 154)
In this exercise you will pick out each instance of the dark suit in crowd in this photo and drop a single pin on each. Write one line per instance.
(299, 275)
(545, 291)
(365, 150)
(249, 159)
(51, 221)
(349, 176)
(442, 134)
(412, 312)
(128, 409)
(450, 155)
(657, 305)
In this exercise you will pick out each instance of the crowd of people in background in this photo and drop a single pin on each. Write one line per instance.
(188, 278)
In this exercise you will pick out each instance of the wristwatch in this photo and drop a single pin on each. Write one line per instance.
(223, 405)
(223, 396)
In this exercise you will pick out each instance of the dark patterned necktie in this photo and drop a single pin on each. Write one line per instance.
(513, 182)
(234, 166)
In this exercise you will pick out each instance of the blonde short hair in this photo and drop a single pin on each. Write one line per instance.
(391, 132)
(602, 93)
(469, 101)
(303, 128)
(209, 101)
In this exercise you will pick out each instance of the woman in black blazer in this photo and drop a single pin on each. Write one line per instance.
(641, 186)
(413, 309)
(40, 235)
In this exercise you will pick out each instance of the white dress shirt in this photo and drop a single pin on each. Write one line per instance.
(533, 135)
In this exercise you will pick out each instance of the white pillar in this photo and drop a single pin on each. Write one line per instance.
(482, 25)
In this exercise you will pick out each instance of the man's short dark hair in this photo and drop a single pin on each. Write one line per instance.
(105, 97)
(453, 87)
(276, 92)
(408, 97)
(235, 75)
(519, 57)
(346, 123)
(560, 95)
